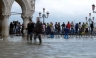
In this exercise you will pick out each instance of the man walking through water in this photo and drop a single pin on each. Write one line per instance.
(38, 30)
(30, 27)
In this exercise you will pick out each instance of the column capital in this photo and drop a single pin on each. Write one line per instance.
(25, 16)
(6, 15)
(31, 17)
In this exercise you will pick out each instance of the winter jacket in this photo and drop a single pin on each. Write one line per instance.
(69, 25)
(30, 27)
(48, 28)
(91, 26)
(38, 27)
(76, 26)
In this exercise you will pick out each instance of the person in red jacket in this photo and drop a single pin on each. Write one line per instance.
(68, 25)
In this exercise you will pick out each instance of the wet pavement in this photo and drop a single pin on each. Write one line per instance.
(74, 47)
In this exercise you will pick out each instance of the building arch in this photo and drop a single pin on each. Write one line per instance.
(23, 4)
(4, 6)
(5, 12)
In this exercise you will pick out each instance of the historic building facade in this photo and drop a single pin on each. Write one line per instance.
(28, 9)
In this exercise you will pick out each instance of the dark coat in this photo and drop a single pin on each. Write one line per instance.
(30, 27)
(91, 25)
(56, 26)
(76, 26)
(11, 26)
(63, 25)
(48, 28)
(38, 27)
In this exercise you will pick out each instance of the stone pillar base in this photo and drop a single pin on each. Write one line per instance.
(25, 32)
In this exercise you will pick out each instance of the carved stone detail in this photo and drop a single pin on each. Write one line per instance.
(6, 15)
(33, 5)
(25, 16)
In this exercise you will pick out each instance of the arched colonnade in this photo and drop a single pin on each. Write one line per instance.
(28, 9)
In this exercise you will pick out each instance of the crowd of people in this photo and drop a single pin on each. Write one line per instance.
(16, 28)
(39, 28)
(77, 28)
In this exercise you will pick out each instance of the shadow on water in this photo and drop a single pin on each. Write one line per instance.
(29, 43)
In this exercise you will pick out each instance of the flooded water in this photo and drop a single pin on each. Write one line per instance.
(18, 47)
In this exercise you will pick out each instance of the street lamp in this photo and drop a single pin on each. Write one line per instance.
(44, 15)
(93, 8)
(90, 20)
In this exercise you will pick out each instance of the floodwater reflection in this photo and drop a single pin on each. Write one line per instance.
(18, 47)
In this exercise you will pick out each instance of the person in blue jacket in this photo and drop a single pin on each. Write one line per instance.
(66, 31)
(48, 29)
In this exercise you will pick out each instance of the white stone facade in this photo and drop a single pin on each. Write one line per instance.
(28, 9)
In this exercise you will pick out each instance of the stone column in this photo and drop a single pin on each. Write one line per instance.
(1, 27)
(5, 26)
(25, 22)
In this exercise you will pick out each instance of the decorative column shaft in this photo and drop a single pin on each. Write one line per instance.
(25, 22)
(5, 26)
